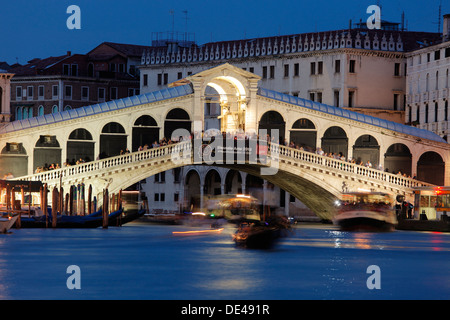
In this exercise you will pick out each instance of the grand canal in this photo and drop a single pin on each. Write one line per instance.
(147, 261)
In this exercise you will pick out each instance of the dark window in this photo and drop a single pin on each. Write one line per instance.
(447, 52)
(252, 69)
(180, 75)
(166, 78)
(397, 69)
(435, 112)
(264, 75)
(162, 197)
(337, 66)
(313, 68)
(74, 71)
(437, 54)
(351, 97)
(352, 65)
(145, 79)
(156, 196)
(286, 70)
(395, 101)
(296, 69)
(320, 67)
(336, 98)
(272, 72)
(159, 79)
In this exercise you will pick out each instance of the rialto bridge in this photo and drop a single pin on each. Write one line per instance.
(98, 134)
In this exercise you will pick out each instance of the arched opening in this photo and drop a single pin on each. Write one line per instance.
(80, 146)
(192, 192)
(398, 159)
(233, 182)
(47, 151)
(176, 119)
(335, 141)
(304, 134)
(145, 132)
(212, 185)
(273, 123)
(13, 160)
(113, 140)
(431, 168)
(212, 109)
(366, 149)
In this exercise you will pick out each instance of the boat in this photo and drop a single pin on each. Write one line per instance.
(366, 211)
(7, 222)
(255, 234)
(66, 221)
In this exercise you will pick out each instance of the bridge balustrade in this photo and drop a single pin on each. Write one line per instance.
(274, 152)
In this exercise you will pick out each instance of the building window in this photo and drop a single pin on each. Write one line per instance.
(113, 93)
(180, 75)
(160, 177)
(418, 114)
(55, 109)
(446, 110)
(66, 70)
(426, 113)
(447, 52)
(286, 70)
(85, 93)
(162, 197)
(352, 65)
(41, 92)
(436, 107)
(437, 54)
(121, 67)
(395, 101)
(272, 72)
(319, 97)
(18, 93)
(311, 96)
(176, 197)
(251, 69)
(337, 66)
(30, 93)
(296, 69)
(336, 98)
(145, 79)
(112, 67)
(41, 111)
(264, 72)
(313, 68)
(55, 92)
(320, 67)
(68, 92)
(101, 94)
(397, 69)
(428, 57)
(351, 98)
(166, 78)
(156, 198)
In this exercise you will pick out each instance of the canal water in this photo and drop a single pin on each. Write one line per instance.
(148, 261)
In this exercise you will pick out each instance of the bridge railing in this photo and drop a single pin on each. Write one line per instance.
(275, 150)
(112, 162)
(345, 166)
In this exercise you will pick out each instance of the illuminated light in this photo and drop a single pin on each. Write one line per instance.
(220, 91)
(236, 83)
(243, 196)
(363, 190)
(196, 232)
(198, 213)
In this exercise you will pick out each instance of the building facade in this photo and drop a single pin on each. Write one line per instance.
(428, 86)
(361, 69)
(70, 81)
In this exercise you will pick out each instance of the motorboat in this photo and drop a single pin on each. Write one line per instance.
(7, 222)
(366, 211)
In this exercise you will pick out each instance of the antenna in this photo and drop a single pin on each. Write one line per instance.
(172, 13)
(185, 24)
(439, 17)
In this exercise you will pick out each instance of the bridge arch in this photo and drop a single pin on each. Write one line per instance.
(176, 118)
(80, 145)
(212, 183)
(398, 158)
(335, 140)
(13, 160)
(366, 148)
(431, 168)
(303, 133)
(47, 151)
(233, 182)
(113, 139)
(145, 130)
(273, 120)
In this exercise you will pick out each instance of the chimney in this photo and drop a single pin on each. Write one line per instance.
(69, 53)
(446, 29)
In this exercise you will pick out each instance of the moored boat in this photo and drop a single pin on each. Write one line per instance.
(366, 211)
(7, 222)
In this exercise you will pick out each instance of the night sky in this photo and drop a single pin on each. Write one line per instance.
(37, 29)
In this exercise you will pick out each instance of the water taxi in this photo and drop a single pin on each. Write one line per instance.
(366, 211)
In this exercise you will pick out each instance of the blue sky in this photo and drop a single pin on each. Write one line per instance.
(37, 29)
